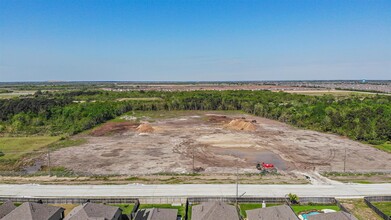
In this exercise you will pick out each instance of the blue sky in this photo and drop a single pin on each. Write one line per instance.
(194, 40)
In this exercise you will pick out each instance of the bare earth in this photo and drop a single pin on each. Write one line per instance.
(168, 146)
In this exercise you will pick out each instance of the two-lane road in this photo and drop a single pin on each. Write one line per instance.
(186, 190)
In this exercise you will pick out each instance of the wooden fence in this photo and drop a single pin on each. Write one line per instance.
(368, 200)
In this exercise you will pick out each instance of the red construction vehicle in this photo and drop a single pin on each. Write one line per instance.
(266, 167)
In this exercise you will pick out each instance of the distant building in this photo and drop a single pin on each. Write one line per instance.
(156, 214)
(281, 212)
(6, 208)
(214, 211)
(35, 211)
(332, 216)
(94, 211)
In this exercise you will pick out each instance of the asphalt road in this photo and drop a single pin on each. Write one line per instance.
(186, 190)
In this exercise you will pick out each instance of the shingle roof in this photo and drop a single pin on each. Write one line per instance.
(93, 211)
(6, 208)
(282, 212)
(214, 211)
(332, 216)
(156, 214)
(34, 211)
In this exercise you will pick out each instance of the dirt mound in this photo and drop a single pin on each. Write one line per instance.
(145, 128)
(241, 124)
(113, 128)
(218, 118)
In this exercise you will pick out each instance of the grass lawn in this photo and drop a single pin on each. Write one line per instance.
(250, 206)
(363, 178)
(14, 94)
(359, 209)
(7, 96)
(385, 207)
(151, 115)
(67, 143)
(15, 203)
(15, 147)
(181, 209)
(301, 208)
(140, 99)
(332, 92)
(126, 208)
(189, 211)
(384, 147)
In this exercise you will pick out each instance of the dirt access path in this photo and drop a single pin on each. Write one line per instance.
(217, 145)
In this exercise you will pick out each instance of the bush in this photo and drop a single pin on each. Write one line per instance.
(293, 198)
(1, 154)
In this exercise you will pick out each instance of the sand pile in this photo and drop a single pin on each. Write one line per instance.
(145, 128)
(241, 124)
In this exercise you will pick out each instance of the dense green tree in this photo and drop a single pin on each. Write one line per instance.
(360, 118)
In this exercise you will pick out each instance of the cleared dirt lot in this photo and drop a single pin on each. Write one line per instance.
(172, 139)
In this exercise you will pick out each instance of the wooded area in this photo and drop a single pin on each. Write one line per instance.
(365, 119)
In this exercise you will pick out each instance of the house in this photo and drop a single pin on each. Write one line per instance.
(156, 214)
(94, 211)
(332, 216)
(35, 211)
(282, 212)
(214, 211)
(6, 208)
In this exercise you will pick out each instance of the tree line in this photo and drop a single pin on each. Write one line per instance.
(363, 118)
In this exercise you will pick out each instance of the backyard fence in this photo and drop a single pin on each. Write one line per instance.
(64, 200)
(186, 210)
(239, 200)
(167, 200)
(190, 201)
(343, 208)
(162, 200)
(134, 210)
(318, 200)
(272, 200)
(368, 200)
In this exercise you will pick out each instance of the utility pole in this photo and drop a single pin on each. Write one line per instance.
(193, 160)
(50, 172)
(344, 162)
